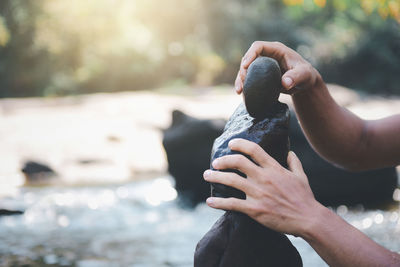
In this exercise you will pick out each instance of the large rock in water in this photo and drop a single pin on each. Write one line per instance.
(37, 173)
(188, 142)
(7, 212)
(236, 239)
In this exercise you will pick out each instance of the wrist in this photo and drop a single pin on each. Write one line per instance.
(316, 220)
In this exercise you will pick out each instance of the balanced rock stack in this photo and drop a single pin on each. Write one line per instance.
(236, 239)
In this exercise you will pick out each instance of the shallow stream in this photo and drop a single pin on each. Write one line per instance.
(135, 224)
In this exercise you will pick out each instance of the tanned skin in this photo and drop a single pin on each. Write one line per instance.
(280, 198)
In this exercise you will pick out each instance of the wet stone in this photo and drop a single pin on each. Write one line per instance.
(271, 133)
(262, 87)
(236, 239)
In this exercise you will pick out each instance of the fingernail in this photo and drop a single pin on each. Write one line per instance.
(210, 201)
(287, 81)
(231, 143)
(215, 163)
(236, 87)
(207, 173)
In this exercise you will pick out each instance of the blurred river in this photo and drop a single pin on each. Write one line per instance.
(135, 224)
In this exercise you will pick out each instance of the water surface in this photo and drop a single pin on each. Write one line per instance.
(135, 224)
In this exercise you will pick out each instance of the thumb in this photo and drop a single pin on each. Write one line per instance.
(294, 163)
(299, 75)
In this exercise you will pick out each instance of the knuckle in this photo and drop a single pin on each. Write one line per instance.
(257, 210)
(253, 211)
(275, 165)
(229, 180)
(279, 44)
(238, 159)
(253, 149)
(237, 80)
(257, 43)
(266, 181)
(242, 73)
(242, 183)
(260, 172)
(235, 161)
(307, 67)
(230, 203)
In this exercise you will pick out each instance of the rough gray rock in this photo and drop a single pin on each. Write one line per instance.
(188, 142)
(236, 240)
(271, 133)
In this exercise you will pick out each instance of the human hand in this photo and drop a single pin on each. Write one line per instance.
(278, 198)
(297, 72)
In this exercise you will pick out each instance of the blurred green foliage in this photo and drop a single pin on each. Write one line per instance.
(56, 47)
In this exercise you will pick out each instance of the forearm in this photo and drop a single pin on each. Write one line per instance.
(333, 131)
(340, 244)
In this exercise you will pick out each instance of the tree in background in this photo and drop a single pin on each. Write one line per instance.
(56, 47)
(356, 42)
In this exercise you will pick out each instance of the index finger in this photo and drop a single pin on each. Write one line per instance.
(275, 50)
(253, 150)
(231, 203)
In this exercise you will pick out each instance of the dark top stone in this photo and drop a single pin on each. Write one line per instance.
(262, 87)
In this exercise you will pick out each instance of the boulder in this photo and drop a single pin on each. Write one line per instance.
(271, 133)
(7, 212)
(236, 239)
(187, 143)
(37, 173)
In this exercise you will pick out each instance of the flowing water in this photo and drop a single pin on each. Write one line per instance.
(135, 224)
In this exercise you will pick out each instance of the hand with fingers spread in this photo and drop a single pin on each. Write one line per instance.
(297, 72)
(273, 193)
(281, 199)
